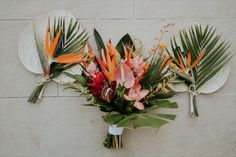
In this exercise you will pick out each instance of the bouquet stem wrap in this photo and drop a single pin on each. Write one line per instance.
(37, 93)
(113, 138)
(193, 102)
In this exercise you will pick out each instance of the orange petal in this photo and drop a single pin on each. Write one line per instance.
(180, 62)
(69, 58)
(53, 44)
(189, 60)
(47, 50)
(164, 61)
(101, 63)
(125, 51)
(198, 59)
(111, 49)
(112, 66)
(104, 57)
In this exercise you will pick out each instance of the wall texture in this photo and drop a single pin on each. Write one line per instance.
(61, 127)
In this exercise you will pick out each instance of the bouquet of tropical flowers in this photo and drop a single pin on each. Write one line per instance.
(125, 85)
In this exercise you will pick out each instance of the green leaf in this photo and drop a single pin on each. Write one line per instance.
(148, 120)
(113, 117)
(99, 42)
(167, 116)
(126, 120)
(74, 39)
(80, 79)
(69, 75)
(198, 39)
(164, 95)
(127, 41)
(163, 104)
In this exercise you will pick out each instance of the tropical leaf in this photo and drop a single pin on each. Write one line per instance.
(99, 42)
(126, 41)
(142, 119)
(145, 120)
(148, 120)
(156, 71)
(113, 117)
(196, 40)
(163, 104)
(73, 40)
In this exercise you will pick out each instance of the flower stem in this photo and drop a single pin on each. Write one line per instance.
(113, 141)
(37, 93)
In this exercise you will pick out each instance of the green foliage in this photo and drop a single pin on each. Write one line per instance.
(143, 118)
(155, 73)
(196, 40)
(162, 104)
(126, 40)
(74, 39)
(99, 42)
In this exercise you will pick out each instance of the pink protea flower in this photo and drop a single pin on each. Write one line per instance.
(135, 93)
(92, 69)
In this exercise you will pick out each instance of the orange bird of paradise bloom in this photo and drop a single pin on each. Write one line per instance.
(108, 62)
(51, 45)
(188, 65)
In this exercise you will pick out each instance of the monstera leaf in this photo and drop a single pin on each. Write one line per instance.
(143, 119)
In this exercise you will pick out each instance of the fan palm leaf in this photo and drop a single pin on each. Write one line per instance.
(196, 40)
(201, 54)
(61, 51)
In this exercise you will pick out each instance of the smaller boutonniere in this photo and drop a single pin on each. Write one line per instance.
(61, 49)
(197, 58)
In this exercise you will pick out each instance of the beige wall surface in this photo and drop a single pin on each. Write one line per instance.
(60, 126)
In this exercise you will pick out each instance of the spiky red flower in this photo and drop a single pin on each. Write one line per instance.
(96, 84)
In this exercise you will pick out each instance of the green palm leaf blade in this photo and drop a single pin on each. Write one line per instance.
(75, 38)
(197, 39)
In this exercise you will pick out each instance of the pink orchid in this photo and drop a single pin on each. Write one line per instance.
(139, 68)
(124, 75)
(135, 93)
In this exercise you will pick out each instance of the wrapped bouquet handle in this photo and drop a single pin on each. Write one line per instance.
(37, 93)
(193, 103)
(113, 138)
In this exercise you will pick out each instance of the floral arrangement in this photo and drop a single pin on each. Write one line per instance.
(198, 57)
(124, 83)
(61, 50)
(121, 82)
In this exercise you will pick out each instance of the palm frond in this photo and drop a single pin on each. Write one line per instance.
(73, 39)
(197, 39)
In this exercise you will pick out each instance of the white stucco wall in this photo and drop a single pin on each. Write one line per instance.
(61, 127)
